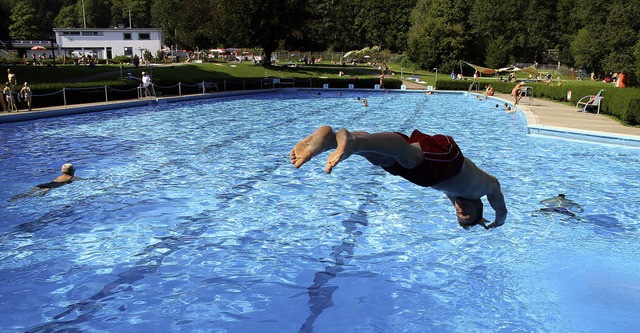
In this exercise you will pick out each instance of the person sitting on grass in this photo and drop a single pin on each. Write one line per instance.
(428, 161)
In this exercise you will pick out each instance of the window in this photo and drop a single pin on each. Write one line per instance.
(127, 36)
(128, 51)
(92, 33)
(145, 36)
(71, 33)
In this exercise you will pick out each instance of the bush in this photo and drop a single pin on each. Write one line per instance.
(121, 59)
(632, 116)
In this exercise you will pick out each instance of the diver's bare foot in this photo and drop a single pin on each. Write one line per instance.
(319, 141)
(345, 147)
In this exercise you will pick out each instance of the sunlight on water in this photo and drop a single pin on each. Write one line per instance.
(191, 218)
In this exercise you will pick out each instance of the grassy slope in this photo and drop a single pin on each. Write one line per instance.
(69, 75)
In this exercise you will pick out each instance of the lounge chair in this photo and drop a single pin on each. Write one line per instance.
(591, 100)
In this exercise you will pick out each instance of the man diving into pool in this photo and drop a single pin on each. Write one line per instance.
(428, 161)
(67, 176)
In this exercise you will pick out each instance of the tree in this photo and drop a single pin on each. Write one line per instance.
(621, 32)
(268, 23)
(340, 26)
(535, 35)
(565, 28)
(5, 13)
(24, 26)
(138, 12)
(162, 17)
(438, 33)
(587, 47)
(384, 22)
(498, 53)
(492, 37)
(68, 17)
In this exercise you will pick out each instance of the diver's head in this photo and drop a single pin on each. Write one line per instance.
(469, 212)
(68, 169)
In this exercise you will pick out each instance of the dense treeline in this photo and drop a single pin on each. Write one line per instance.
(597, 35)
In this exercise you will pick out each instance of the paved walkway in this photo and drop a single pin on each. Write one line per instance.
(548, 114)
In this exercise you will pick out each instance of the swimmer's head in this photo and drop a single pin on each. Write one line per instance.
(68, 169)
(469, 212)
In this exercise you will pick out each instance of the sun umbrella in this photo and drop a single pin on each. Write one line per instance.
(38, 47)
(348, 54)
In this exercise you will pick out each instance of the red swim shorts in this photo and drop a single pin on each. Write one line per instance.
(442, 160)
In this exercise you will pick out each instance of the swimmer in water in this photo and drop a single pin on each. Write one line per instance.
(67, 176)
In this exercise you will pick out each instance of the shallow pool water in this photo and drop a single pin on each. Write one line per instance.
(192, 219)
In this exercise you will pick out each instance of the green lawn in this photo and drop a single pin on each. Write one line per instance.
(70, 75)
(52, 78)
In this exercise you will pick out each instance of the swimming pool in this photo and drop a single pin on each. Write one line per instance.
(192, 219)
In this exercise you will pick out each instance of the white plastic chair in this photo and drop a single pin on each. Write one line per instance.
(591, 100)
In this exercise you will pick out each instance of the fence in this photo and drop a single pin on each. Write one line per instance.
(72, 96)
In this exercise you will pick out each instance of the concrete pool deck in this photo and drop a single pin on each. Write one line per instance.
(543, 117)
(556, 119)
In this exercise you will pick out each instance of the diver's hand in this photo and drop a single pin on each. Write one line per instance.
(483, 223)
(494, 225)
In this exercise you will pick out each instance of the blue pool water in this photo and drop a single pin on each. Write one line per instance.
(192, 219)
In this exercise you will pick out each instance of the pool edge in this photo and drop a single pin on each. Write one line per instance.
(112, 105)
(549, 131)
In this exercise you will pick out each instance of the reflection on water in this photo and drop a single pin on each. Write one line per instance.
(193, 219)
(321, 292)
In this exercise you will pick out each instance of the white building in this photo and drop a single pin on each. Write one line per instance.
(109, 43)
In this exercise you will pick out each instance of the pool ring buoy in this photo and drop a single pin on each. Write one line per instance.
(569, 95)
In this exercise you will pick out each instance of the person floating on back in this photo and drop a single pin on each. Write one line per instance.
(428, 161)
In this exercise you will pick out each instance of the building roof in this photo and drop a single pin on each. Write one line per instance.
(106, 29)
(27, 44)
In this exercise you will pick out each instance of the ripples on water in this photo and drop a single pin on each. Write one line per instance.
(192, 219)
